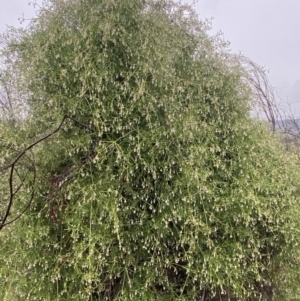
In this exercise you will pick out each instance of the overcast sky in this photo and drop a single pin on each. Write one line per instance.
(267, 31)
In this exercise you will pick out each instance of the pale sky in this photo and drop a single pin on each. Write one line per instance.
(267, 31)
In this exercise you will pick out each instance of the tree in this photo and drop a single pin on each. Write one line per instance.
(266, 103)
(150, 179)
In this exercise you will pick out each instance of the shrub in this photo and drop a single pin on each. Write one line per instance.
(158, 185)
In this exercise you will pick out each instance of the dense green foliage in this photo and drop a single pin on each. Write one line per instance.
(159, 186)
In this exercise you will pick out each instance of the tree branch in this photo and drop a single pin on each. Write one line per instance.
(12, 168)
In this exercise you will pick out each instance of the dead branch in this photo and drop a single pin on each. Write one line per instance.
(12, 170)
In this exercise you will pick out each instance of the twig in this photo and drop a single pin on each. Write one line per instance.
(12, 166)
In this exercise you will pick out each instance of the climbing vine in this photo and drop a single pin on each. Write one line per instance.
(157, 184)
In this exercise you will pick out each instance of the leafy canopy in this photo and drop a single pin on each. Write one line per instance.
(158, 186)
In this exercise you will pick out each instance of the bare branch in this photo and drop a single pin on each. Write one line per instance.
(13, 170)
